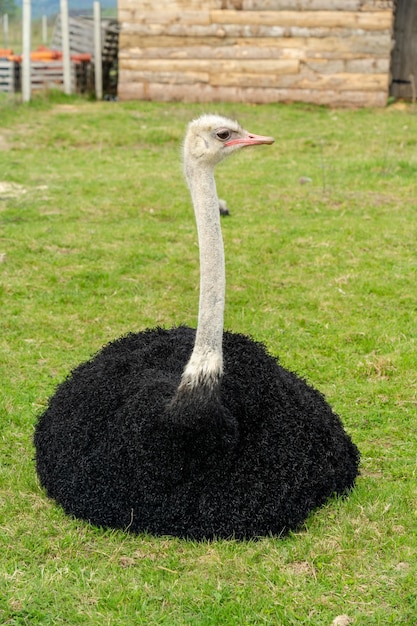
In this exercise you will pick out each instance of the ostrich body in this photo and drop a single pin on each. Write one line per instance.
(197, 434)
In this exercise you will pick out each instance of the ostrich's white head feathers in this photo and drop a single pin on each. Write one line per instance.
(210, 138)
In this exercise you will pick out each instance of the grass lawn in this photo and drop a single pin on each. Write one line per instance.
(97, 239)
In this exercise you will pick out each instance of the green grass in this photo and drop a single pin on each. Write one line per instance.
(97, 239)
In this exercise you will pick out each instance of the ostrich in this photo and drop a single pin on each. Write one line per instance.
(196, 434)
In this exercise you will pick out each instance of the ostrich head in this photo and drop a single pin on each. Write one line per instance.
(211, 138)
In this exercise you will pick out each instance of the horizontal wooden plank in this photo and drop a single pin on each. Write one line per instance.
(223, 32)
(373, 44)
(378, 20)
(304, 80)
(169, 5)
(305, 77)
(274, 66)
(7, 76)
(177, 78)
(309, 5)
(6, 67)
(213, 52)
(207, 93)
(258, 5)
(232, 79)
(165, 17)
(366, 65)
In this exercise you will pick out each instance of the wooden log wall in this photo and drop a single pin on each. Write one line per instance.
(334, 52)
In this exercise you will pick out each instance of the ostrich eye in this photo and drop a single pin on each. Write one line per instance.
(223, 134)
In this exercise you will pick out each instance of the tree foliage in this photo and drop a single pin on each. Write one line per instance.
(9, 7)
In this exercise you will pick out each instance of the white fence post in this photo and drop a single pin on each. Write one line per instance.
(6, 30)
(26, 45)
(44, 29)
(98, 62)
(66, 58)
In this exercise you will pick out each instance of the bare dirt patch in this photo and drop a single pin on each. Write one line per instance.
(4, 144)
(11, 190)
(68, 108)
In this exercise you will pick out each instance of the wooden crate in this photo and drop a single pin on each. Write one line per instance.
(9, 73)
(49, 74)
(81, 36)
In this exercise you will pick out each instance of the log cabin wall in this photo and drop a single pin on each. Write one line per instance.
(333, 52)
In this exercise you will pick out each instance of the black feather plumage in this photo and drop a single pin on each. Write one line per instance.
(253, 457)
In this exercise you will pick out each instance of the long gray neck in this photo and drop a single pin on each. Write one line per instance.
(205, 366)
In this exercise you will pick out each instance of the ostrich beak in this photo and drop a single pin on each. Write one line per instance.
(250, 140)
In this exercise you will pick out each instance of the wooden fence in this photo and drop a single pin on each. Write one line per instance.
(333, 52)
